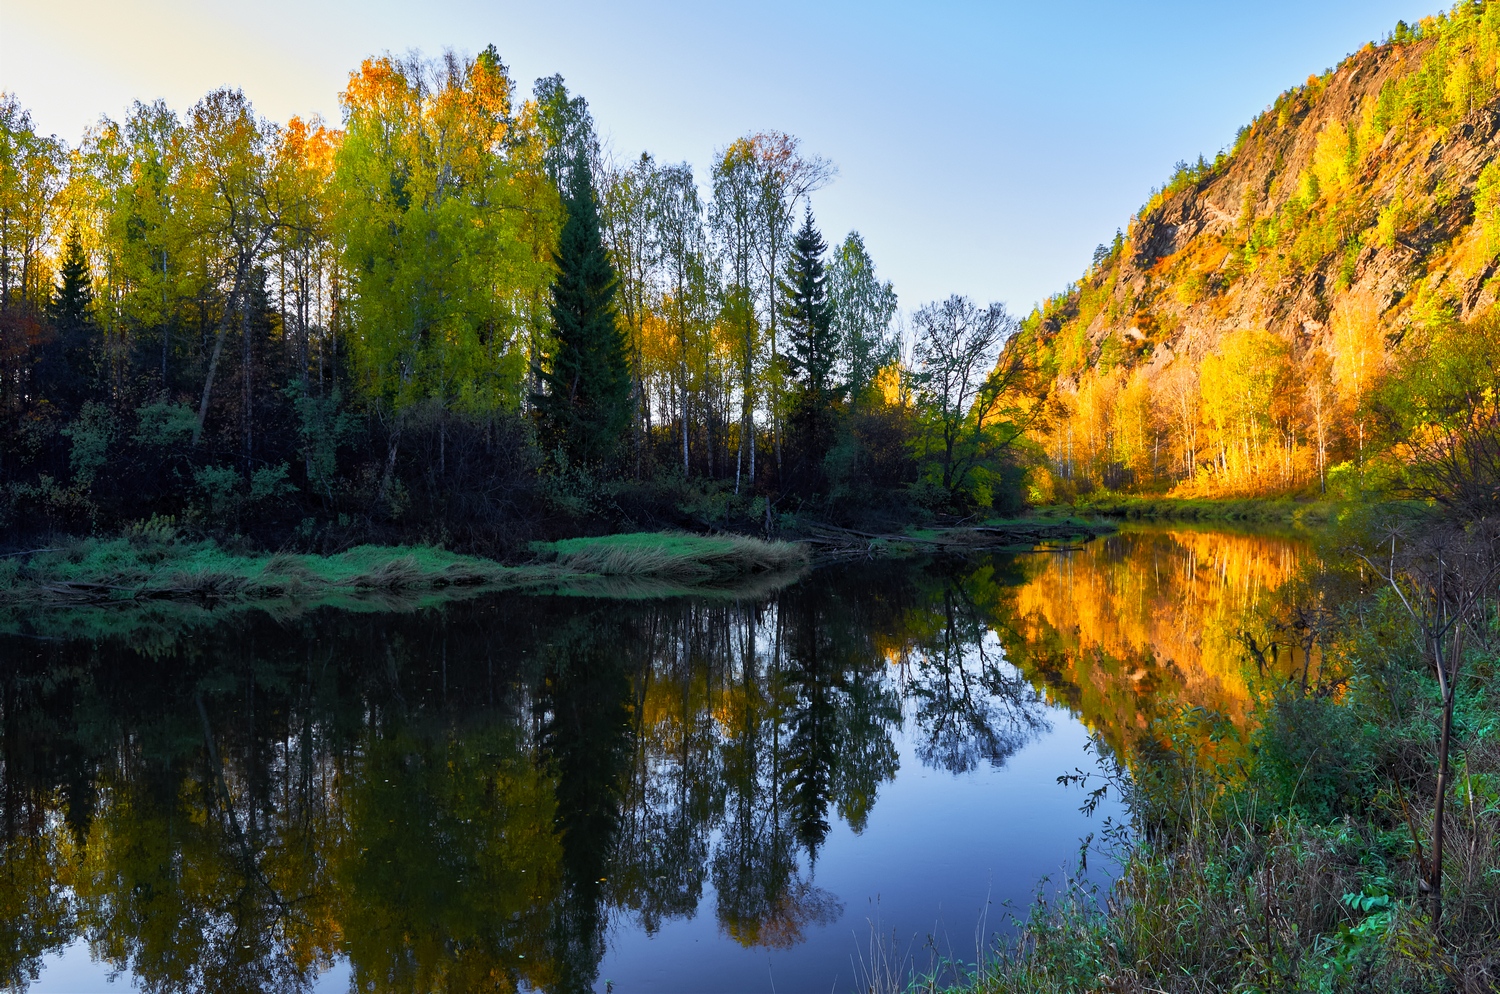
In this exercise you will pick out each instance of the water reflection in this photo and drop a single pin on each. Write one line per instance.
(1152, 619)
(479, 797)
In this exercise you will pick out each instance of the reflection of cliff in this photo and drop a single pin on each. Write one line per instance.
(1143, 619)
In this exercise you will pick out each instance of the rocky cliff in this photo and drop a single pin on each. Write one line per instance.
(1370, 190)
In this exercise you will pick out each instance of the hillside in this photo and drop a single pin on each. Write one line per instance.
(1305, 303)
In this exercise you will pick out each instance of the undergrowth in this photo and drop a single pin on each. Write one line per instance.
(1289, 857)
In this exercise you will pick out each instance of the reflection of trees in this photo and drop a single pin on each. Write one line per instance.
(1131, 626)
(583, 697)
(457, 800)
(674, 792)
(970, 705)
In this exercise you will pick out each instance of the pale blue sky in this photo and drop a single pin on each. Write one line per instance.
(983, 148)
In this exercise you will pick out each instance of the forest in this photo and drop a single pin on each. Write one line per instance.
(455, 318)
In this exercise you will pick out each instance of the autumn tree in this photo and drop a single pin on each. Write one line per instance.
(31, 176)
(1357, 345)
(1179, 399)
(233, 213)
(736, 218)
(1237, 387)
(433, 241)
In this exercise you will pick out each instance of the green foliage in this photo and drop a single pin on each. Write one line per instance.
(165, 425)
(862, 309)
(812, 341)
(92, 434)
(586, 407)
(431, 226)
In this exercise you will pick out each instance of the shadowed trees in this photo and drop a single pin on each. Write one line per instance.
(585, 407)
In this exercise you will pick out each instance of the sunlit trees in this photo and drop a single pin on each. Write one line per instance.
(1178, 393)
(1359, 357)
(31, 176)
(311, 312)
(304, 254)
(1238, 383)
(431, 227)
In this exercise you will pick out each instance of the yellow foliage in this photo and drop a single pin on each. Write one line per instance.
(1358, 347)
(890, 384)
(1333, 159)
(1238, 384)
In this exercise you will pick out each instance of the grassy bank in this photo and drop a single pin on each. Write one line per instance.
(125, 569)
(148, 566)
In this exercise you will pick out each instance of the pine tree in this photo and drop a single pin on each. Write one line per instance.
(585, 407)
(813, 345)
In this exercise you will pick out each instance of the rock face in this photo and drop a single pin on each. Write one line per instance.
(1360, 184)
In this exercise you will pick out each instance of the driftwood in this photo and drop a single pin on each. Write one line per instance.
(851, 543)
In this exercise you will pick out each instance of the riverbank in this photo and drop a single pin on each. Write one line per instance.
(145, 567)
(152, 563)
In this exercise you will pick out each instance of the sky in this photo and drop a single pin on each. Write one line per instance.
(982, 148)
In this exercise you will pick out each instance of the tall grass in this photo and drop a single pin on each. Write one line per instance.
(676, 556)
(1229, 886)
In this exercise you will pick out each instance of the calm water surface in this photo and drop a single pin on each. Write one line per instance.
(567, 794)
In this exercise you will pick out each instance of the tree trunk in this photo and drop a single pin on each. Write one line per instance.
(247, 388)
(213, 367)
(1435, 877)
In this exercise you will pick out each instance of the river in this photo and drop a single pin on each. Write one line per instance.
(782, 791)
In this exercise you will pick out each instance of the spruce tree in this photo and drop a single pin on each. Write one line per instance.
(585, 408)
(67, 358)
(812, 351)
(813, 345)
(69, 307)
